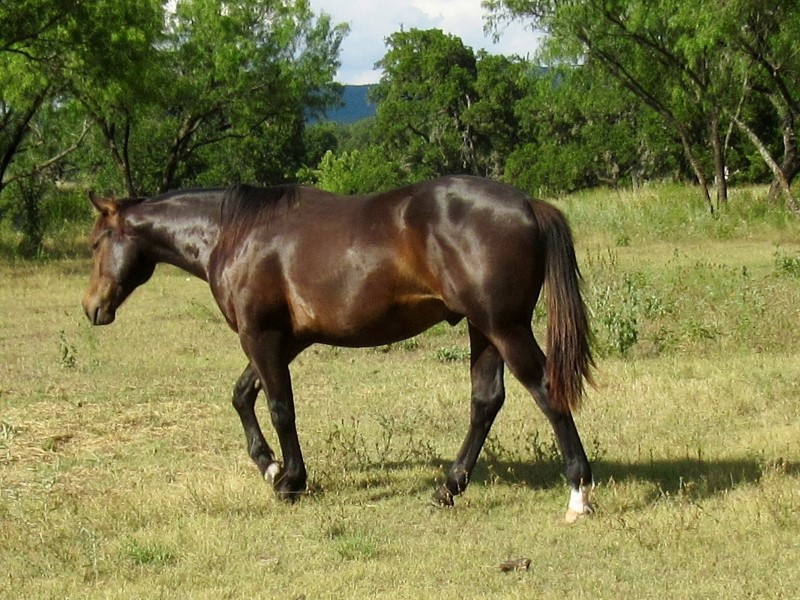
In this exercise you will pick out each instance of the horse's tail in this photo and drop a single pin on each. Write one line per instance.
(569, 356)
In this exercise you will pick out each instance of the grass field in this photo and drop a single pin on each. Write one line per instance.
(123, 472)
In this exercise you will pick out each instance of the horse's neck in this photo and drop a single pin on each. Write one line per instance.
(181, 232)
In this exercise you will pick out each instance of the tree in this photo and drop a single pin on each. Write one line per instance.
(33, 36)
(427, 85)
(39, 130)
(217, 92)
(766, 34)
(212, 84)
(579, 129)
(500, 84)
(357, 172)
(653, 49)
(115, 70)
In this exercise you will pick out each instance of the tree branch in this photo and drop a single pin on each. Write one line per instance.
(44, 165)
(780, 176)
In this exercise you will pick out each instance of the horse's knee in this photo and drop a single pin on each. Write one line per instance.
(245, 391)
(281, 415)
(486, 404)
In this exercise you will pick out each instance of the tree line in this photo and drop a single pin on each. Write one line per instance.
(131, 97)
(634, 90)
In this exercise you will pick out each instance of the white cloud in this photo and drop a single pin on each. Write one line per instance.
(372, 21)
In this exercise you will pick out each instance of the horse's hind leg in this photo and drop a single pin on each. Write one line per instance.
(526, 361)
(244, 398)
(488, 395)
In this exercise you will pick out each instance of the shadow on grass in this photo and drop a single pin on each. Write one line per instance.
(704, 478)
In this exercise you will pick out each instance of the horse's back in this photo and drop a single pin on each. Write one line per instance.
(364, 270)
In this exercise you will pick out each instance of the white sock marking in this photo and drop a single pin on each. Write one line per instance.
(272, 472)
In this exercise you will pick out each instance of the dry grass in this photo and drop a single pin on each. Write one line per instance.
(123, 472)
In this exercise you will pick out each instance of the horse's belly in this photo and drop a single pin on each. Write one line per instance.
(377, 325)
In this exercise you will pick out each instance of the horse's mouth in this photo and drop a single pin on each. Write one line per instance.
(98, 316)
(103, 317)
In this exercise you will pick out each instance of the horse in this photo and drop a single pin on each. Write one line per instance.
(291, 266)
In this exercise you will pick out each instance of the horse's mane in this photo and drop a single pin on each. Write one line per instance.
(248, 205)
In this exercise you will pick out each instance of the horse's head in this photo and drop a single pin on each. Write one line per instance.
(120, 265)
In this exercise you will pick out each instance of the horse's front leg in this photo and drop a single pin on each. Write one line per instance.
(270, 354)
(245, 393)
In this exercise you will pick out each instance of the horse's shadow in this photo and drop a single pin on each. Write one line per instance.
(695, 477)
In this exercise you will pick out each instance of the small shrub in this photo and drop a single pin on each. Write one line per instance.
(787, 265)
(354, 447)
(698, 331)
(623, 240)
(615, 309)
(7, 434)
(69, 352)
(452, 354)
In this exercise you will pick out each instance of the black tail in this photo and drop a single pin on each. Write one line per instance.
(569, 357)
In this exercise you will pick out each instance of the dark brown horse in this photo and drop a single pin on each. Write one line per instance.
(294, 266)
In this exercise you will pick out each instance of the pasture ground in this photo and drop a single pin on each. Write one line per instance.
(123, 472)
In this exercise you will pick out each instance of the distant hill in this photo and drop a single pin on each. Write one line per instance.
(356, 106)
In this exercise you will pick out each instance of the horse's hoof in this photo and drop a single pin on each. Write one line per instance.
(285, 487)
(572, 516)
(272, 474)
(579, 505)
(442, 498)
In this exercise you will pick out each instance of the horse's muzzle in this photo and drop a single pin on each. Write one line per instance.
(96, 313)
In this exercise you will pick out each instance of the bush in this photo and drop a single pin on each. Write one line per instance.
(34, 213)
(355, 172)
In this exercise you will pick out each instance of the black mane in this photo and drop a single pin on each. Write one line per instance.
(248, 205)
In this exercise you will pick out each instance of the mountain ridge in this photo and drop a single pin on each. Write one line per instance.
(355, 105)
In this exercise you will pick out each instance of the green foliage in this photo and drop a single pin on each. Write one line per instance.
(648, 299)
(136, 97)
(787, 264)
(175, 98)
(500, 84)
(355, 172)
(69, 359)
(148, 554)
(692, 65)
(427, 84)
(37, 221)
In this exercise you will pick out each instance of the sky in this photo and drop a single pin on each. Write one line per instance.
(372, 21)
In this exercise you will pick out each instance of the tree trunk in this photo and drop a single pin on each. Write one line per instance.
(17, 135)
(790, 165)
(783, 183)
(178, 151)
(697, 168)
(120, 156)
(720, 182)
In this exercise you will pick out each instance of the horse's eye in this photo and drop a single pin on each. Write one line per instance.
(96, 242)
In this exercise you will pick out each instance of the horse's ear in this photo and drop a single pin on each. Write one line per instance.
(106, 206)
